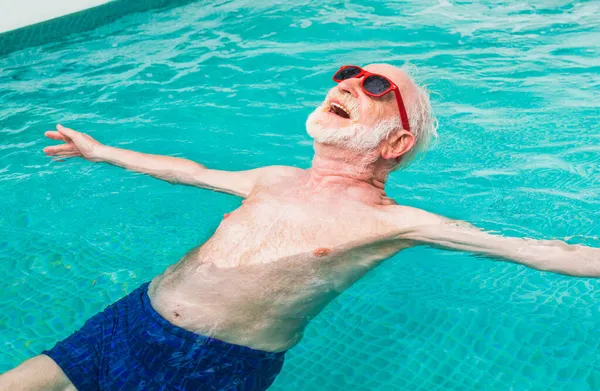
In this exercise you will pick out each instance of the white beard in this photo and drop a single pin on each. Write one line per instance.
(355, 136)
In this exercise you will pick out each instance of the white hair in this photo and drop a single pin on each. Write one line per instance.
(422, 120)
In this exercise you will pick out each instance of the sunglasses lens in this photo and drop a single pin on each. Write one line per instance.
(376, 84)
(347, 73)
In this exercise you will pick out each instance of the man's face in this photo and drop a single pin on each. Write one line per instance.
(350, 118)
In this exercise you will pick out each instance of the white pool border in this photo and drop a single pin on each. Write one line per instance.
(22, 13)
(37, 22)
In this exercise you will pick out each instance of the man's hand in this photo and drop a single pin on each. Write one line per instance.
(76, 144)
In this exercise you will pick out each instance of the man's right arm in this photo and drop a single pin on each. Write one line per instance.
(171, 169)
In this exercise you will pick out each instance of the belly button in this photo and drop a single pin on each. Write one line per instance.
(321, 252)
(176, 314)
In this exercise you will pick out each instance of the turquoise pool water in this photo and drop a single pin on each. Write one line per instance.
(229, 84)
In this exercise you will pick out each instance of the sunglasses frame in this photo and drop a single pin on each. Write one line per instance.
(393, 87)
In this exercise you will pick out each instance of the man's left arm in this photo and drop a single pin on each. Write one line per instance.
(425, 228)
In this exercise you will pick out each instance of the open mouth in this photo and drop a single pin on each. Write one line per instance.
(338, 109)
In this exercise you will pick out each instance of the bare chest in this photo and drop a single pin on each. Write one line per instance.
(273, 226)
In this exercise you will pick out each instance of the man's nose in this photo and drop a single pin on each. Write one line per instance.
(350, 86)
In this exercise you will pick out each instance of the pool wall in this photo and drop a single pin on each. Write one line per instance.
(31, 23)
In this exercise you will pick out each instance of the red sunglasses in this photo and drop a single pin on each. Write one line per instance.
(373, 85)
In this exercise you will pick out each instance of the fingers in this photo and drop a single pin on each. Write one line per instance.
(64, 155)
(54, 135)
(67, 154)
(58, 149)
(65, 131)
(63, 150)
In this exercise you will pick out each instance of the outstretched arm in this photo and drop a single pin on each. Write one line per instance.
(556, 256)
(167, 168)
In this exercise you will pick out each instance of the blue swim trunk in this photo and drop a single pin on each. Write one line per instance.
(129, 346)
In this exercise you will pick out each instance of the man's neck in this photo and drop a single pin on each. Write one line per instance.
(360, 175)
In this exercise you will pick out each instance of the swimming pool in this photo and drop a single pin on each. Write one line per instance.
(229, 84)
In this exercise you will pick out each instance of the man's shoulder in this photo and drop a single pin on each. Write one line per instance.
(410, 222)
(407, 217)
(285, 170)
(272, 175)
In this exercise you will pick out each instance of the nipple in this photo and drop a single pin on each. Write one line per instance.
(226, 215)
(321, 252)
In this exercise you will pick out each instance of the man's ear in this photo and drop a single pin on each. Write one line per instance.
(398, 144)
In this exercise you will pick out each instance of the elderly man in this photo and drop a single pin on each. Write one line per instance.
(223, 317)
